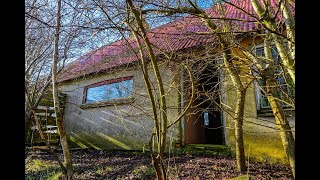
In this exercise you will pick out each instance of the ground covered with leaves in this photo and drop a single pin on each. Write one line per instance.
(95, 164)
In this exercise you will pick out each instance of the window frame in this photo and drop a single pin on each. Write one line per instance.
(106, 82)
(258, 91)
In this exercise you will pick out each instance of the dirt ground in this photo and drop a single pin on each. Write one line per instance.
(95, 164)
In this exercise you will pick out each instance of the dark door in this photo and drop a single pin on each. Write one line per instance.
(204, 122)
(213, 127)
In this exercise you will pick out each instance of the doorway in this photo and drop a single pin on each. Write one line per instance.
(204, 124)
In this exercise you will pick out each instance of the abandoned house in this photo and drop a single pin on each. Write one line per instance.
(107, 105)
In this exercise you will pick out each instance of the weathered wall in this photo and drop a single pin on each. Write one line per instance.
(126, 126)
(261, 137)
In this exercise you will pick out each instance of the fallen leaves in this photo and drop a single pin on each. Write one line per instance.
(95, 164)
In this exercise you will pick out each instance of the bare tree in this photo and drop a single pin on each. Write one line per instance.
(280, 117)
(129, 19)
(267, 67)
(285, 46)
(57, 108)
(38, 49)
(40, 46)
(229, 64)
(161, 121)
(268, 18)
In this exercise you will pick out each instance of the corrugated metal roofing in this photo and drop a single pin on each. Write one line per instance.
(173, 36)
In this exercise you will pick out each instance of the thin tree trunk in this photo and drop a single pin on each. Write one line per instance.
(282, 123)
(280, 118)
(149, 90)
(59, 115)
(64, 170)
(236, 81)
(239, 108)
(35, 103)
(241, 166)
(163, 122)
(271, 24)
(27, 121)
(288, 61)
(233, 74)
(290, 26)
(179, 94)
(163, 104)
(155, 161)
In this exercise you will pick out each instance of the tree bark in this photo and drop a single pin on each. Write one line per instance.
(163, 120)
(239, 111)
(155, 161)
(64, 170)
(227, 61)
(241, 91)
(146, 79)
(239, 108)
(241, 166)
(267, 71)
(33, 102)
(59, 115)
(282, 123)
(278, 112)
(269, 22)
(290, 26)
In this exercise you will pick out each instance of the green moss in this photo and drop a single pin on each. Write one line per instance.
(144, 172)
(37, 165)
(102, 169)
(108, 169)
(242, 177)
(75, 142)
(139, 169)
(114, 141)
(56, 176)
(43, 169)
(99, 170)
(261, 147)
(207, 149)
(267, 149)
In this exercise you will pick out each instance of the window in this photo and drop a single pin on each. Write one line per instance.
(109, 90)
(206, 118)
(283, 90)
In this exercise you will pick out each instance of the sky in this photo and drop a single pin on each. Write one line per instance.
(105, 37)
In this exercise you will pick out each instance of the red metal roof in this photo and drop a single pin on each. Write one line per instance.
(170, 37)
